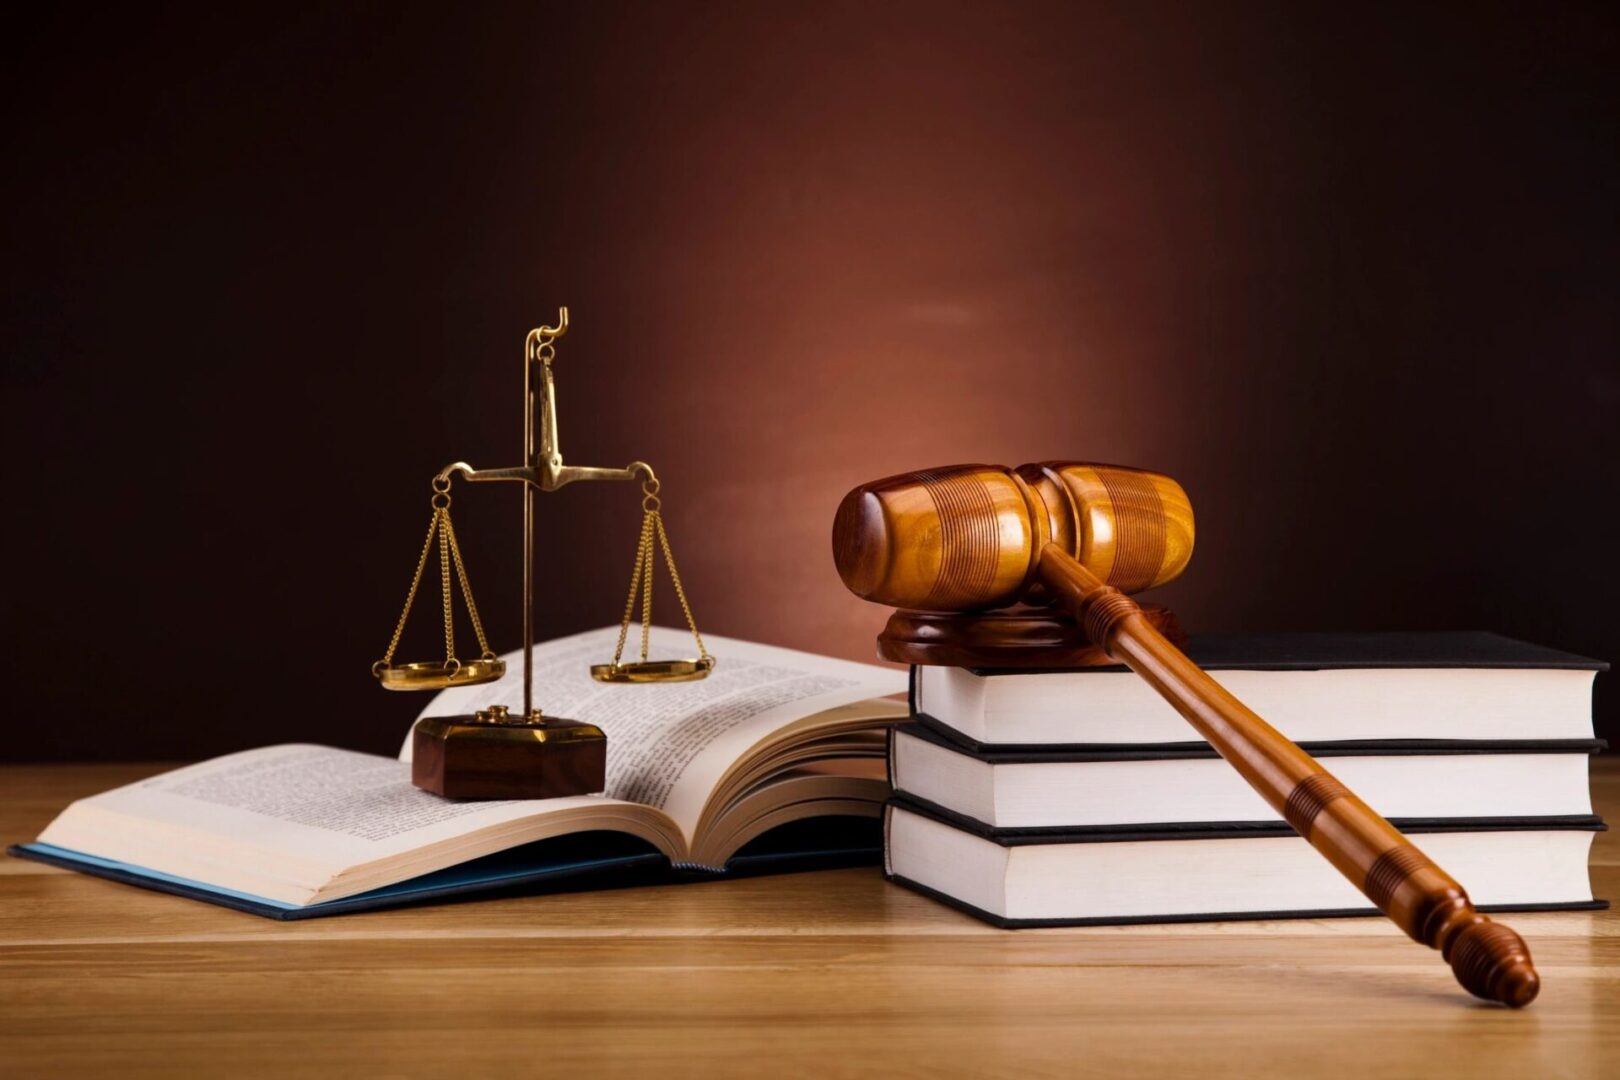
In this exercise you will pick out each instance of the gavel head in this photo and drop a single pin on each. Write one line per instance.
(968, 537)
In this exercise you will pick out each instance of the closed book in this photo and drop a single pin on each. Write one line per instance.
(1312, 687)
(1103, 875)
(1059, 787)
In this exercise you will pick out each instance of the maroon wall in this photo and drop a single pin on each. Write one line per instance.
(1347, 273)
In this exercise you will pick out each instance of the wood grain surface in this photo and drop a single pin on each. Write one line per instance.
(824, 974)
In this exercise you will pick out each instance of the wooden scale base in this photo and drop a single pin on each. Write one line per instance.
(495, 755)
(1020, 637)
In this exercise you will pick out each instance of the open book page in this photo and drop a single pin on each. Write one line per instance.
(284, 821)
(670, 743)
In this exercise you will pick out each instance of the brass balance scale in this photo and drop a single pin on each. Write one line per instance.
(493, 753)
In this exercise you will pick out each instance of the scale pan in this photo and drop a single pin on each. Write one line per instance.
(436, 674)
(654, 671)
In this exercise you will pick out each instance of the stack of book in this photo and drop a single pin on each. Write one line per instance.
(1042, 798)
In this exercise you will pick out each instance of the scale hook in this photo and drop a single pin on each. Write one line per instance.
(560, 329)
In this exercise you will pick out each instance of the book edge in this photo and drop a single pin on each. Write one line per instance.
(941, 734)
(1005, 923)
(156, 881)
(1216, 830)
(1529, 655)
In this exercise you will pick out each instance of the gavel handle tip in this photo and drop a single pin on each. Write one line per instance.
(1492, 962)
(1521, 987)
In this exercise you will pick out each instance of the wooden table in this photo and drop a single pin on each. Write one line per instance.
(831, 973)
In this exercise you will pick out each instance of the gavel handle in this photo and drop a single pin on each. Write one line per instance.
(1489, 959)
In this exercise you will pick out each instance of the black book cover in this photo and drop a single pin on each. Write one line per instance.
(1004, 923)
(1318, 651)
(1221, 830)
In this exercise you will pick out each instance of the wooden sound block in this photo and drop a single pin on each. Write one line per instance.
(1022, 637)
(502, 757)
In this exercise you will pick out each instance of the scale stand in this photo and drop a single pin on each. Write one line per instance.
(493, 753)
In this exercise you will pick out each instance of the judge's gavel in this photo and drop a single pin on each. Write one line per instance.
(969, 537)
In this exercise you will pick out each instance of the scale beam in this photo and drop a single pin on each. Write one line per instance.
(549, 479)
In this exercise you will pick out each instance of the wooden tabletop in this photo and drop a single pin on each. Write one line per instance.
(832, 973)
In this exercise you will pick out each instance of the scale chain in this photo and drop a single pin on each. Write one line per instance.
(647, 578)
(441, 527)
(641, 580)
(635, 587)
(680, 591)
(410, 597)
(444, 585)
(449, 533)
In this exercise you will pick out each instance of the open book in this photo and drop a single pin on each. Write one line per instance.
(696, 773)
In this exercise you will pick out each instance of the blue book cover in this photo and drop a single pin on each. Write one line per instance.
(590, 860)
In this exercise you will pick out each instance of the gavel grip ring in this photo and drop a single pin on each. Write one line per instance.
(1104, 609)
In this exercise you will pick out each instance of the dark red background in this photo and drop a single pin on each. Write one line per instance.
(1348, 273)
